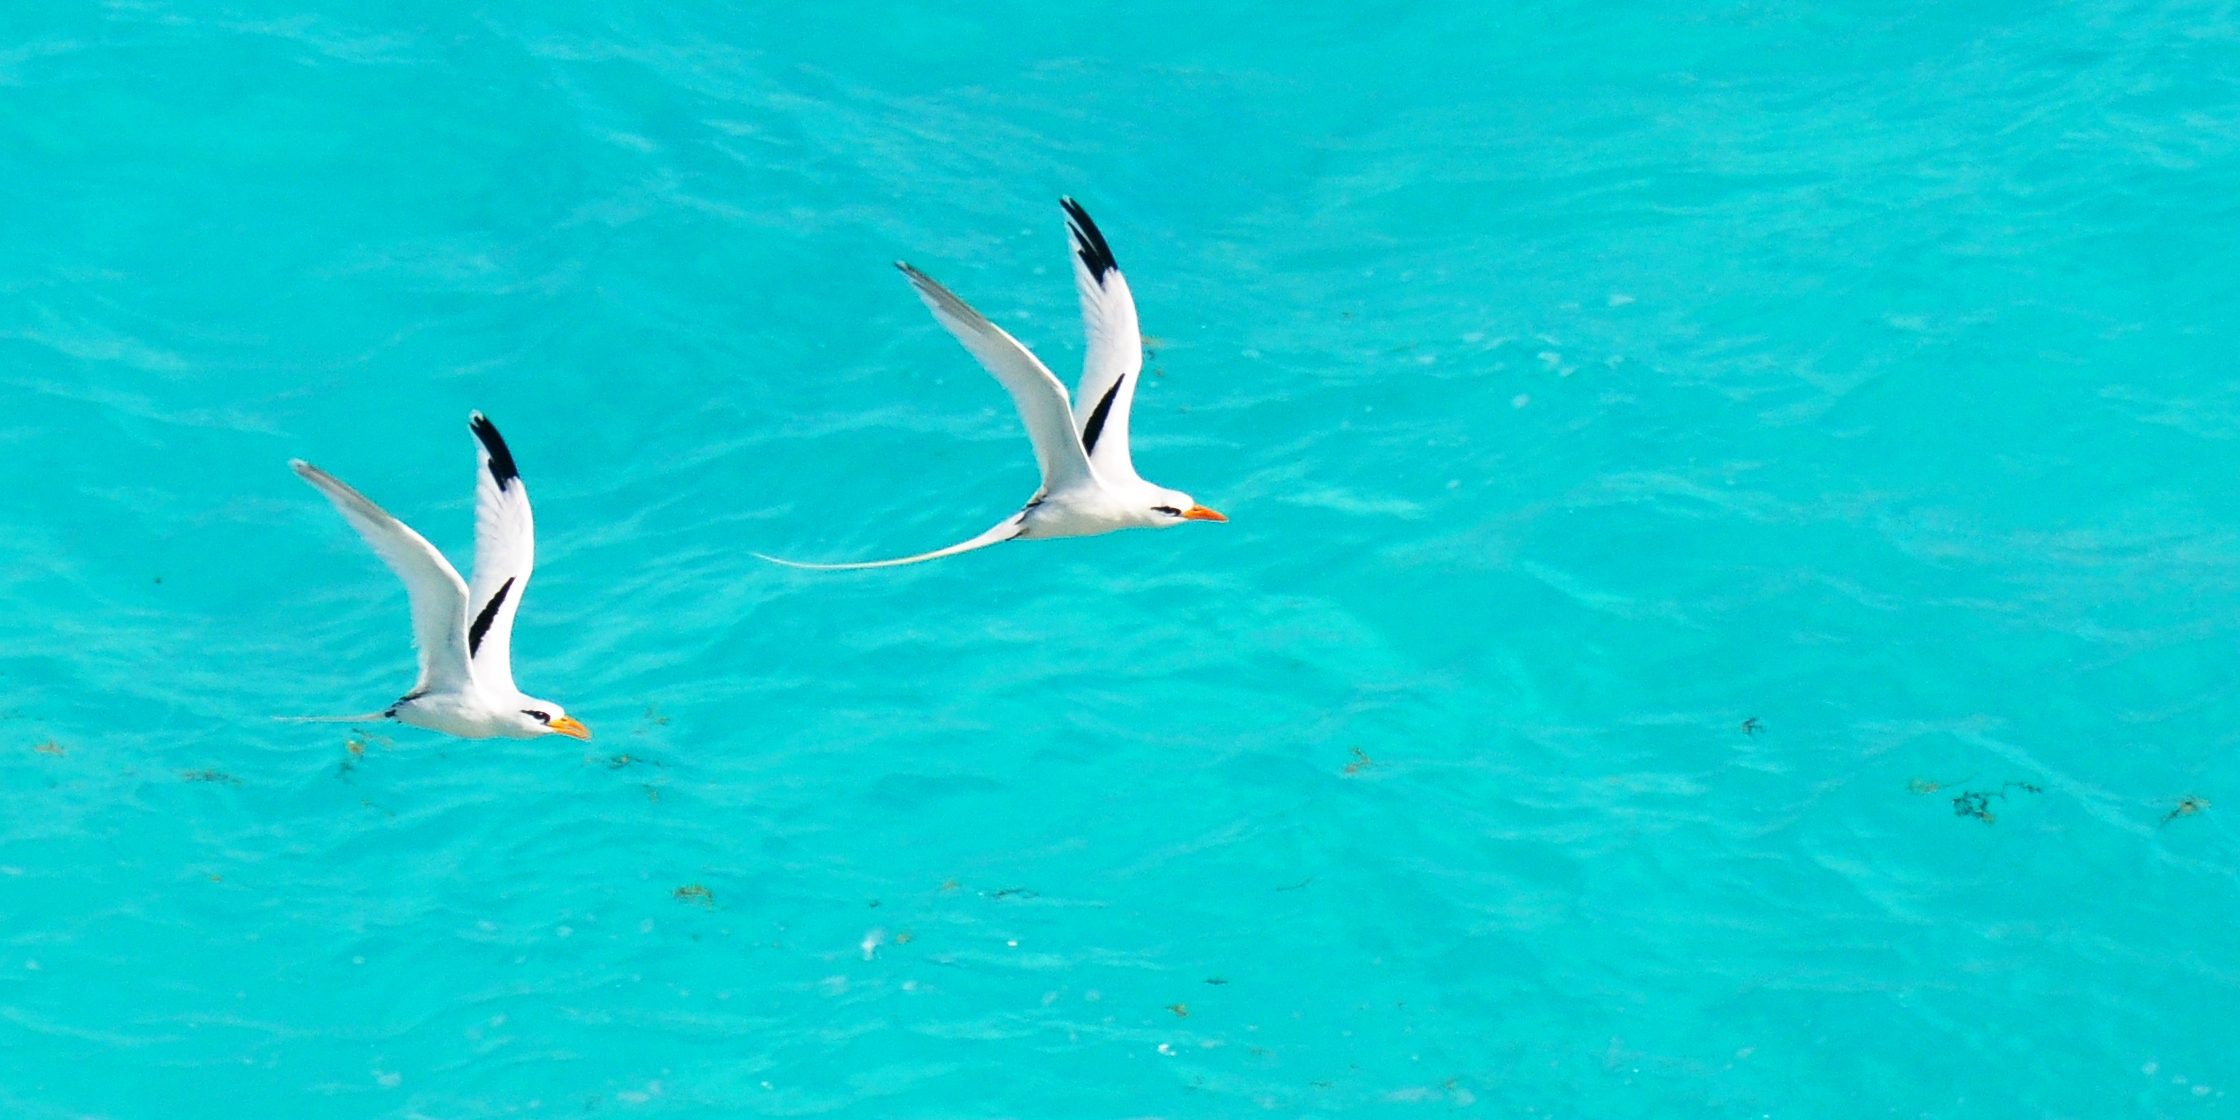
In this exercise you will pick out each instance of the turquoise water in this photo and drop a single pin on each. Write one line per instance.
(1582, 381)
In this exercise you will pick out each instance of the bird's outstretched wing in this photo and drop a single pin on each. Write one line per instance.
(439, 597)
(1113, 362)
(1040, 398)
(505, 549)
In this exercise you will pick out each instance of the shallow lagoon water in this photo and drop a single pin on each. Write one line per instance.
(1583, 382)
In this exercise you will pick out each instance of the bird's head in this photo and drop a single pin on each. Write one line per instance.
(543, 717)
(1169, 508)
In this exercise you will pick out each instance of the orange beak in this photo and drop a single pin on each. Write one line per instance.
(570, 728)
(1201, 513)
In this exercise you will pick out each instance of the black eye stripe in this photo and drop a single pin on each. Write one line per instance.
(540, 717)
(1170, 510)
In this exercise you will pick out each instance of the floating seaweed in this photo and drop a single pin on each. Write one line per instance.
(358, 743)
(1181, 1010)
(51, 747)
(1361, 761)
(1751, 725)
(218, 776)
(1977, 803)
(695, 893)
(2186, 807)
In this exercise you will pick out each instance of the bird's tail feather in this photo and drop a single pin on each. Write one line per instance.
(369, 717)
(1008, 529)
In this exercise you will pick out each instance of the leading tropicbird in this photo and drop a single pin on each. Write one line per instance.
(466, 671)
(1089, 485)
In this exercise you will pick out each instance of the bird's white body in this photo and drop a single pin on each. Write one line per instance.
(470, 714)
(1099, 507)
(1089, 482)
(464, 632)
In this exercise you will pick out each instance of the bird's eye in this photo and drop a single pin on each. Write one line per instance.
(540, 717)
(1170, 511)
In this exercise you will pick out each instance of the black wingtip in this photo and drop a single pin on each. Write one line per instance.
(501, 460)
(1088, 240)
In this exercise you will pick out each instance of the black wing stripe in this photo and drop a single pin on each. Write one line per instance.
(1095, 427)
(501, 460)
(407, 698)
(489, 615)
(1088, 241)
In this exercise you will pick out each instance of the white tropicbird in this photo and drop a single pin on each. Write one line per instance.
(466, 660)
(1089, 485)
